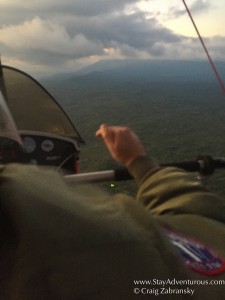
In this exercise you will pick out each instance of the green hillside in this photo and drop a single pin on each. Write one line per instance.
(176, 119)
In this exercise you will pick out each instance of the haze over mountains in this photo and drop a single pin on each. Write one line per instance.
(147, 70)
(176, 107)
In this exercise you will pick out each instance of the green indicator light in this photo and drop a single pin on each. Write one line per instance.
(112, 185)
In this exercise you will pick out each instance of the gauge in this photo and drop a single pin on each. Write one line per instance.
(47, 145)
(29, 144)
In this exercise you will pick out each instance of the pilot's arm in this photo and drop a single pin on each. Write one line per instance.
(162, 190)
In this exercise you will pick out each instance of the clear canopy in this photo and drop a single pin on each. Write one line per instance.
(7, 125)
(32, 107)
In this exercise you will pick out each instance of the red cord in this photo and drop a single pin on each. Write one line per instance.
(206, 50)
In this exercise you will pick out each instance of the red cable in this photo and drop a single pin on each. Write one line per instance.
(206, 50)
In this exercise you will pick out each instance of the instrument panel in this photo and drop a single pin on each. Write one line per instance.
(41, 149)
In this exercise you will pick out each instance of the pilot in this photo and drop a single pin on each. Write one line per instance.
(64, 241)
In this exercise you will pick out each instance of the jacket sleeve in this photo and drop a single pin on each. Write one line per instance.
(174, 191)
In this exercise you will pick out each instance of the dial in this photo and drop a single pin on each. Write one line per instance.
(47, 145)
(29, 144)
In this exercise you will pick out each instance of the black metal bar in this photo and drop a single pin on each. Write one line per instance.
(205, 164)
(190, 166)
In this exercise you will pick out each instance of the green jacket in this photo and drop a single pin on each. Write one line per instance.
(61, 241)
(191, 217)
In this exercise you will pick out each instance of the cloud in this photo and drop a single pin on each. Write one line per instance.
(133, 30)
(52, 39)
(17, 11)
(200, 5)
(61, 35)
(216, 47)
(45, 41)
(197, 7)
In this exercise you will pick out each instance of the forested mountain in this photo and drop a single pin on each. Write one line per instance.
(177, 108)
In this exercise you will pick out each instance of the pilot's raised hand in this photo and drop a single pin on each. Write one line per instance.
(122, 143)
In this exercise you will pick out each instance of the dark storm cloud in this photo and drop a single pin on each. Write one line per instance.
(133, 30)
(20, 10)
(77, 37)
(69, 33)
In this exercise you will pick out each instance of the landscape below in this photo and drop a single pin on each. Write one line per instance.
(176, 108)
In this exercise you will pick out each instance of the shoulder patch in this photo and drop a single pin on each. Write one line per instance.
(195, 254)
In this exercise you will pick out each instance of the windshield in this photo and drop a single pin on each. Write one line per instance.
(33, 108)
(7, 125)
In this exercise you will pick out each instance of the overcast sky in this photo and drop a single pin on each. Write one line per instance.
(52, 36)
